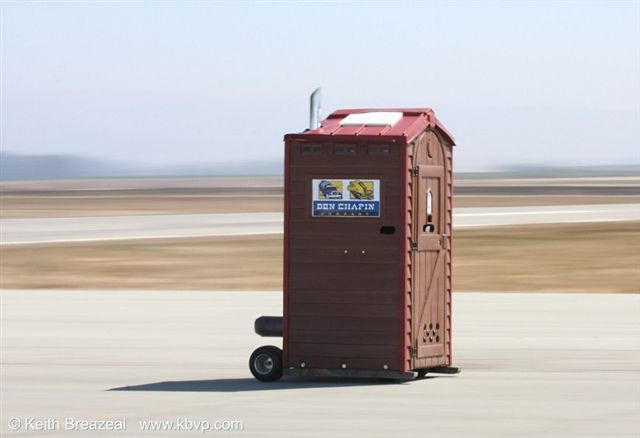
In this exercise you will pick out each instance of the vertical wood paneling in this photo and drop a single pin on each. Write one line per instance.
(431, 266)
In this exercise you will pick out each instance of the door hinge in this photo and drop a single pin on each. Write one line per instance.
(414, 246)
(414, 352)
(416, 171)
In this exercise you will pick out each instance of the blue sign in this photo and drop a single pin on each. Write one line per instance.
(346, 208)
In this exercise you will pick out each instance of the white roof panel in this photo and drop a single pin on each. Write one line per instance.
(383, 118)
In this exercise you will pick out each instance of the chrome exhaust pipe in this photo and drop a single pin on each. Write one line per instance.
(314, 110)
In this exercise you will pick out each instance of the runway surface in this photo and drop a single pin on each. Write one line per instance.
(84, 229)
(533, 365)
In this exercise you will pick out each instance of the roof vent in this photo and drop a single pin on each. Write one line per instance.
(381, 118)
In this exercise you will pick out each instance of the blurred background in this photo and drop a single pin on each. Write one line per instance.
(141, 143)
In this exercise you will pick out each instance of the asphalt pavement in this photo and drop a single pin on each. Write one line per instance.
(532, 365)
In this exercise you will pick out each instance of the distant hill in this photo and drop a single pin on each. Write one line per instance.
(21, 167)
(40, 167)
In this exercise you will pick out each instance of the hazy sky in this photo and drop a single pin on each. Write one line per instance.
(538, 83)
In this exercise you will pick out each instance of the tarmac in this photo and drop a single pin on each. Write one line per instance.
(88, 229)
(532, 365)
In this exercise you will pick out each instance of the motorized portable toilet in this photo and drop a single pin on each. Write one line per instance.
(367, 249)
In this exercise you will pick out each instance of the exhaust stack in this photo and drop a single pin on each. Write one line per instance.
(314, 110)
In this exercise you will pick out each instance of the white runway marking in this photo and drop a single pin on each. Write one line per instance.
(109, 228)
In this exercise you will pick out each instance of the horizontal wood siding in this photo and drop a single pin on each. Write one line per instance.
(343, 299)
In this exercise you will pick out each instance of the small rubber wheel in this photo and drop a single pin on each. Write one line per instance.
(421, 374)
(265, 363)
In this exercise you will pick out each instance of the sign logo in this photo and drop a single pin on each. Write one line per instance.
(346, 197)
(330, 189)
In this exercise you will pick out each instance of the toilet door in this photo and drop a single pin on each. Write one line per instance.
(429, 251)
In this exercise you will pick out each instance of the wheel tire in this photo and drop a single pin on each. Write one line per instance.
(421, 374)
(265, 363)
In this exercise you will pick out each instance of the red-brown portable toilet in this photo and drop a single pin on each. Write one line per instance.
(367, 249)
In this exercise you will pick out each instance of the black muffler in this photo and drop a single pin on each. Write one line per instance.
(270, 326)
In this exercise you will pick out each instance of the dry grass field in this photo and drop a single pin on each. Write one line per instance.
(595, 257)
(34, 206)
